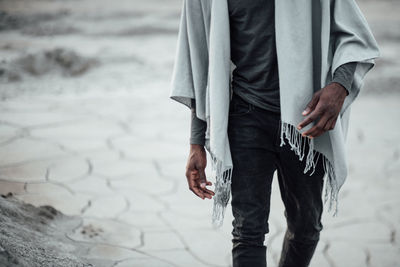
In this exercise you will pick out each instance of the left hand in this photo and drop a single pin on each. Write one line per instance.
(325, 105)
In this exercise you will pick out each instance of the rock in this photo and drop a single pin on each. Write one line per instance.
(36, 236)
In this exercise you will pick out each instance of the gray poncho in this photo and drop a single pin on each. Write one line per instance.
(313, 38)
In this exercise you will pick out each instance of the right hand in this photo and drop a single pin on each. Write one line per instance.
(195, 173)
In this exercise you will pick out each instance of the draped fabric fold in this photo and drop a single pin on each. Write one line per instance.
(313, 38)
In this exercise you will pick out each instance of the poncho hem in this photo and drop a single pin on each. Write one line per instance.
(223, 177)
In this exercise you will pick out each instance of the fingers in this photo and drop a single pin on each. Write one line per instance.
(207, 190)
(195, 180)
(331, 124)
(311, 107)
(191, 176)
(203, 182)
(318, 129)
(195, 189)
(325, 123)
(313, 116)
(203, 179)
(312, 104)
(325, 105)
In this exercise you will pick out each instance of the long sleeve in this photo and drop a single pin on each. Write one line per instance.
(352, 41)
(344, 75)
(197, 128)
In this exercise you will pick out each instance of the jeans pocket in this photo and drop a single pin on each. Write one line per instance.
(238, 106)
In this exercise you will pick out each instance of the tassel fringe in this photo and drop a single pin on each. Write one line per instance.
(223, 178)
(297, 143)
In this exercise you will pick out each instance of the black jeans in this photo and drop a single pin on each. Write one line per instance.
(254, 136)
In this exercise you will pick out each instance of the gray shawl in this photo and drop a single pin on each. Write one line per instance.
(313, 38)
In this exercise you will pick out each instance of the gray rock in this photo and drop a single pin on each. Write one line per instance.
(36, 236)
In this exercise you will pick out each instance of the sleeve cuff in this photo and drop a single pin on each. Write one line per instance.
(198, 128)
(344, 75)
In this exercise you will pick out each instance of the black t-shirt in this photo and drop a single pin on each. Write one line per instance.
(253, 51)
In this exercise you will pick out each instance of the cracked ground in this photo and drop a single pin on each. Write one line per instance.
(101, 140)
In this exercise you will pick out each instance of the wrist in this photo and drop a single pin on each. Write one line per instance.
(196, 147)
(339, 85)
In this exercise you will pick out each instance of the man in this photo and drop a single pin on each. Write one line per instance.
(254, 125)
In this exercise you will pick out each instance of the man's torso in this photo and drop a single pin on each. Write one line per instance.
(253, 51)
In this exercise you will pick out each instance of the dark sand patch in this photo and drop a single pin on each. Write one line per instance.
(17, 21)
(36, 236)
(60, 61)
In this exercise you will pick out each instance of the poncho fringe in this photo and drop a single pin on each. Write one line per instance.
(298, 144)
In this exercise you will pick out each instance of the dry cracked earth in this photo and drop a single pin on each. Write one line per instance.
(93, 152)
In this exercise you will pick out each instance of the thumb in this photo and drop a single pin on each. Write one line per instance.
(311, 105)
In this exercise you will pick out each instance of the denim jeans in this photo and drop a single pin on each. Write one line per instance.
(254, 136)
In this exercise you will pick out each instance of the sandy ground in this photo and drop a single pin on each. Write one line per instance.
(37, 234)
(86, 127)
